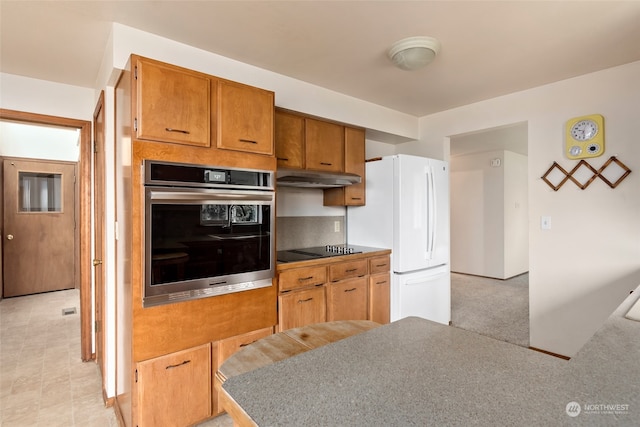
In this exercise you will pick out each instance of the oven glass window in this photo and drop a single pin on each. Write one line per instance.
(197, 241)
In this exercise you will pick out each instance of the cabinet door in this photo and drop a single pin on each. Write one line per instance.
(324, 146)
(289, 140)
(173, 104)
(245, 116)
(379, 297)
(347, 300)
(225, 348)
(175, 390)
(354, 160)
(300, 308)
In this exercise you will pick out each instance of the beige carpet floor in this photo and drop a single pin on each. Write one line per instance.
(492, 307)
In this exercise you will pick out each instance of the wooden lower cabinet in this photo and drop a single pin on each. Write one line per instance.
(224, 349)
(175, 390)
(301, 307)
(347, 299)
(380, 297)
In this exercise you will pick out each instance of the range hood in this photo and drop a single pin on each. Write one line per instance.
(315, 179)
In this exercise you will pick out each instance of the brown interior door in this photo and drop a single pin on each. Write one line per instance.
(98, 227)
(39, 222)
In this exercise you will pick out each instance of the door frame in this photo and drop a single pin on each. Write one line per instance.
(99, 248)
(84, 212)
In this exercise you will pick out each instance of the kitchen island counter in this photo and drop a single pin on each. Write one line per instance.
(417, 372)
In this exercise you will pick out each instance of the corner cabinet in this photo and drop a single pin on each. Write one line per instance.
(354, 162)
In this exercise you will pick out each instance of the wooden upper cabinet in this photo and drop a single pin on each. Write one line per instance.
(324, 149)
(354, 162)
(245, 116)
(173, 104)
(289, 140)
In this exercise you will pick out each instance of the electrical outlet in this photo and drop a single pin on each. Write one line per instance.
(336, 226)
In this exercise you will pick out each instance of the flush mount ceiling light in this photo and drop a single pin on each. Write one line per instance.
(413, 53)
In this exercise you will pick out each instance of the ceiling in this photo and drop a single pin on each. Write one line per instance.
(488, 48)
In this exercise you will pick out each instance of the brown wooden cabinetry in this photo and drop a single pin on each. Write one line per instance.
(324, 146)
(350, 287)
(245, 116)
(354, 162)
(174, 104)
(289, 140)
(379, 289)
(175, 389)
(151, 94)
(347, 299)
(302, 307)
(224, 349)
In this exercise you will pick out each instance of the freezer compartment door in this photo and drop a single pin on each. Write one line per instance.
(421, 213)
(425, 294)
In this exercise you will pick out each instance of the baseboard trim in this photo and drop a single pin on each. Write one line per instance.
(118, 411)
(560, 356)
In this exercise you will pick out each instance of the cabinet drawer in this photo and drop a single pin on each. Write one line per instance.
(301, 278)
(344, 270)
(379, 264)
(229, 346)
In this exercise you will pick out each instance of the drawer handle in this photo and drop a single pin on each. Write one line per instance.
(250, 141)
(326, 164)
(179, 364)
(284, 159)
(302, 279)
(246, 344)
(350, 290)
(304, 300)
(381, 265)
(356, 198)
(381, 283)
(186, 132)
(351, 270)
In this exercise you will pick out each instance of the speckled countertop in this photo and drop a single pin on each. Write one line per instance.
(416, 372)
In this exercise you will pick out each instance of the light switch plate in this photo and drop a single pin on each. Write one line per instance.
(545, 222)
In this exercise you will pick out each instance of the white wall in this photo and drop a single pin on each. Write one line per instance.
(489, 230)
(516, 210)
(39, 142)
(583, 267)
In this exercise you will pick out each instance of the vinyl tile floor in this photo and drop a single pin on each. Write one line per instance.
(43, 381)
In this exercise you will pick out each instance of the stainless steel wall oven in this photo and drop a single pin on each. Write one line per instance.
(208, 231)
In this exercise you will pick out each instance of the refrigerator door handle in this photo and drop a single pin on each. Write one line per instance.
(431, 213)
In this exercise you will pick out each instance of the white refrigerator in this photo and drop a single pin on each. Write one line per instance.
(407, 210)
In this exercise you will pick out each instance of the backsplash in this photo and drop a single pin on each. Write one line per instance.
(308, 231)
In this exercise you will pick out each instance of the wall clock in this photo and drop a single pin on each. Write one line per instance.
(585, 137)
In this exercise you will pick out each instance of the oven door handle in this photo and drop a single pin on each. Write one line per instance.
(248, 197)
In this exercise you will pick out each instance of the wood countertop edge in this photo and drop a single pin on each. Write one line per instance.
(331, 260)
(238, 415)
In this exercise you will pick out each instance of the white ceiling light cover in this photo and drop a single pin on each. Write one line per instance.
(413, 53)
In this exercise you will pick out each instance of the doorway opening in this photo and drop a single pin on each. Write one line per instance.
(82, 207)
(490, 232)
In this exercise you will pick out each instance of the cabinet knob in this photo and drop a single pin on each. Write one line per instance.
(9, 236)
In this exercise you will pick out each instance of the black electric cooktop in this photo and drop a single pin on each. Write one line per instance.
(305, 254)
